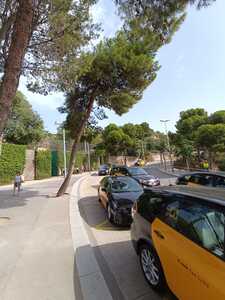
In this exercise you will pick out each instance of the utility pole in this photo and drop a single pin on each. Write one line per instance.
(167, 137)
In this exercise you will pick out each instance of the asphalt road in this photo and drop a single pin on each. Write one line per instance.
(154, 170)
(165, 178)
(113, 249)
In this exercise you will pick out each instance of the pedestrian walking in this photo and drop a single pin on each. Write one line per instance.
(17, 183)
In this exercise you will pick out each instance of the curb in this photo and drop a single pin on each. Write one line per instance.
(92, 284)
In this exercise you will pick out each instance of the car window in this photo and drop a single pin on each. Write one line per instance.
(202, 179)
(194, 179)
(200, 223)
(103, 167)
(185, 178)
(137, 171)
(149, 205)
(206, 180)
(123, 171)
(114, 170)
(220, 182)
(126, 184)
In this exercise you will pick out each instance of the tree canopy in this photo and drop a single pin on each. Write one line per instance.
(198, 132)
(36, 39)
(24, 126)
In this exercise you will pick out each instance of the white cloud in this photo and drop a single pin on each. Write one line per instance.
(104, 12)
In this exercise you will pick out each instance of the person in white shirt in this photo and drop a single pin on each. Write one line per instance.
(17, 183)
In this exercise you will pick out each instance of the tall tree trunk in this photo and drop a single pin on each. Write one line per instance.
(187, 163)
(161, 160)
(210, 160)
(164, 160)
(79, 133)
(12, 69)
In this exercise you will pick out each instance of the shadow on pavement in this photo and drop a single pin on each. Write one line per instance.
(8, 200)
(95, 216)
(122, 273)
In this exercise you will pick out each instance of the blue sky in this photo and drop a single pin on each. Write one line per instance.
(192, 71)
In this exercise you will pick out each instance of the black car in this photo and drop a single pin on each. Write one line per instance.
(139, 174)
(209, 179)
(118, 194)
(103, 170)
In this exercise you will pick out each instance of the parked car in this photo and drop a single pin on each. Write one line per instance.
(178, 233)
(139, 174)
(117, 195)
(209, 179)
(103, 170)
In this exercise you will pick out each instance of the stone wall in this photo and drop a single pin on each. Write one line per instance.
(29, 169)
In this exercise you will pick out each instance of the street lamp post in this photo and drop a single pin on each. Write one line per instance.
(64, 149)
(167, 137)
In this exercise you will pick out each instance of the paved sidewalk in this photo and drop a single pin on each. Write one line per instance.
(37, 257)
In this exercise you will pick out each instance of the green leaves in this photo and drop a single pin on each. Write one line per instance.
(12, 161)
(129, 139)
(43, 164)
(24, 126)
(211, 137)
(189, 122)
(200, 135)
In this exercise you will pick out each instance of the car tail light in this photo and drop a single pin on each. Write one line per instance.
(134, 209)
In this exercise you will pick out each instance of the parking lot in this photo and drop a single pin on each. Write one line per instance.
(113, 249)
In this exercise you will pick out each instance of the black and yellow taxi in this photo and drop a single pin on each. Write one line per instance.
(178, 233)
(210, 179)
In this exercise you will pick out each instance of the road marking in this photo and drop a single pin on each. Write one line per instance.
(105, 225)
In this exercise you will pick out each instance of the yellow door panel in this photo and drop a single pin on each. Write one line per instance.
(192, 272)
(193, 184)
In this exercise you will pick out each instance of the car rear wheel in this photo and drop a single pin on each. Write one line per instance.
(151, 267)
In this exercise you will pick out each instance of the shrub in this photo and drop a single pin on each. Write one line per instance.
(12, 160)
(221, 165)
(80, 159)
(43, 163)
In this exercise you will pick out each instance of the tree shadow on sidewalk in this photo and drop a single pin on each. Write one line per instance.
(8, 200)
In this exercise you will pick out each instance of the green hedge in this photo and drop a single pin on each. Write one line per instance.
(43, 162)
(221, 165)
(12, 161)
(81, 159)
